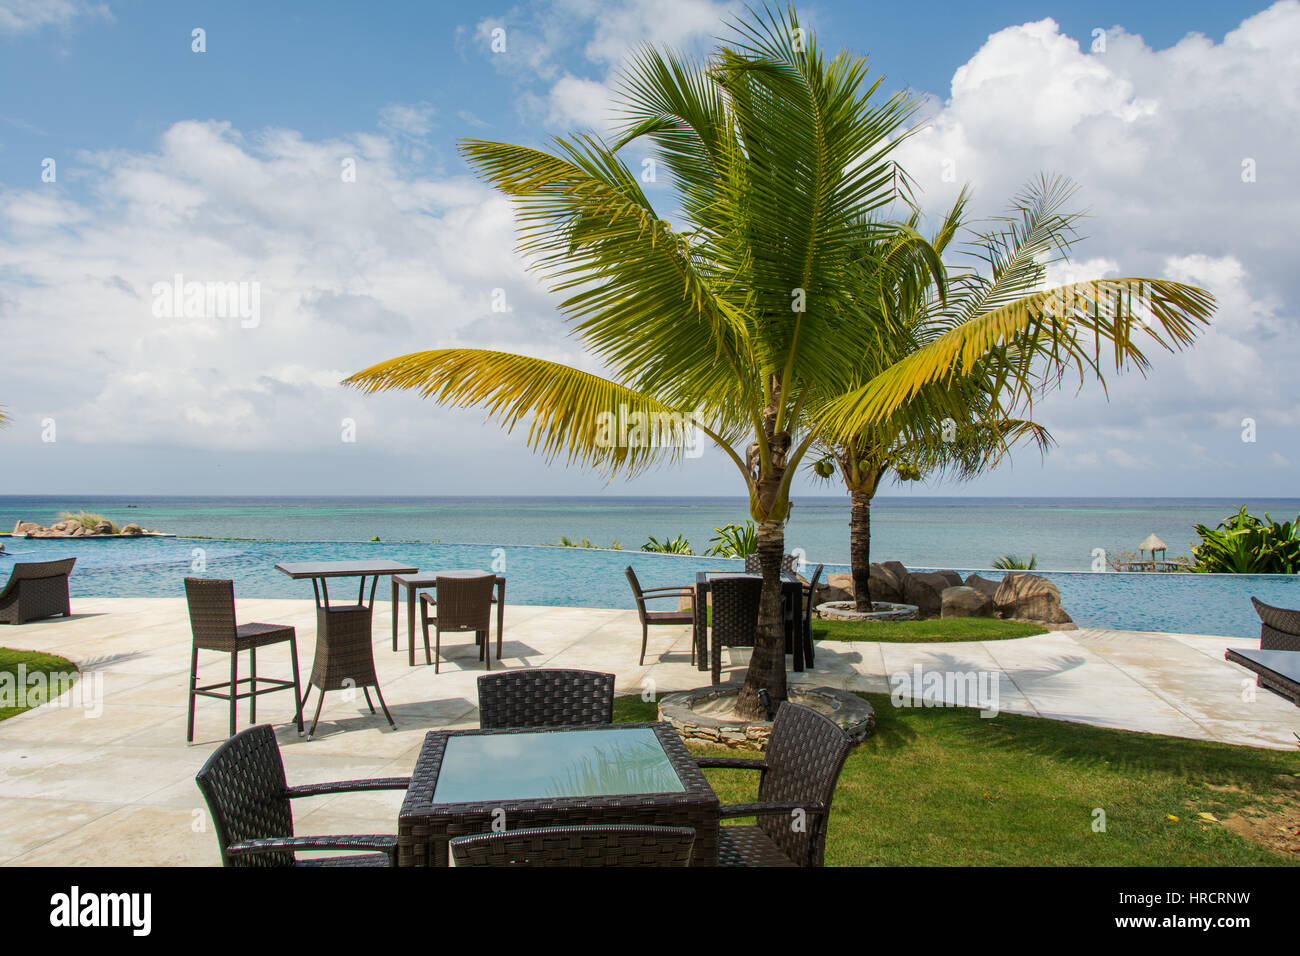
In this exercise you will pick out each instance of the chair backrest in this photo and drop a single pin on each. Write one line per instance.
(212, 612)
(244, 785)
(465, 604)
(1279, 628)
(545, 697)
(812, 597)
(805, 754)
(789, 562)
(636, 592)
(735, 610)
(35, 571)
(577, 846)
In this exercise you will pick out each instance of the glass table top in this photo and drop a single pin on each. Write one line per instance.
(483, 767)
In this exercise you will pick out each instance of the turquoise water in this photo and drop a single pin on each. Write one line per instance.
(923, 533)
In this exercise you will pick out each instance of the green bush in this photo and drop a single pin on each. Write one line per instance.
(734, 541)
(677, 545)
(1243, 544)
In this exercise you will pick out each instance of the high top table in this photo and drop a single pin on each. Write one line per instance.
(345, 656)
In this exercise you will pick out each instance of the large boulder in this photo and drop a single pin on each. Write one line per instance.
(886, 585)
(983, 585)
(899, 571)
(925, 590)
(966, 602)
(26, 527)
(952, 577)
(132, 528)
(1029, 597)
(839, 587)
(104, 527)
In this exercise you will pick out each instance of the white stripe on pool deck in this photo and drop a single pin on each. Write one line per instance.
(119, 788)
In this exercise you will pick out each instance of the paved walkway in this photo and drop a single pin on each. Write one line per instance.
(78, 788)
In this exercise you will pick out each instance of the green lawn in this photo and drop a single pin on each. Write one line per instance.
(35, 662)
(942, 786)
(935, 631)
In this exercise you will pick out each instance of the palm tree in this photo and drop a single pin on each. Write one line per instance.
(742, 321)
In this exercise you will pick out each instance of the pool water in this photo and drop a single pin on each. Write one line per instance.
(575, 577)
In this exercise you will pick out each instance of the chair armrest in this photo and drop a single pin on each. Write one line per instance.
(671, 587)
(734, 763)
(348, 786)
(357, 843)
(733, 810)
(671, 594)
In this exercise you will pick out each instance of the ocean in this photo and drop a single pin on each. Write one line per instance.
(919, 531)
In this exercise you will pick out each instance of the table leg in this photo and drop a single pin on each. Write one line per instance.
(394, 616)
(501, 611)
(701, 628)
(410, 626)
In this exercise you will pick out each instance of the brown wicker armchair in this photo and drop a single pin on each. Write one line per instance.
(244, 785)
(577, 846)
(798, 773)
(1279, 630)
(36, 589)
(545, 697)
(461, 604)
(651, 618)
(735, 616)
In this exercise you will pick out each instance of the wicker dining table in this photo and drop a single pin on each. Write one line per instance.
(345, 656)
(791, 598)
(480, 781)
(414, 582)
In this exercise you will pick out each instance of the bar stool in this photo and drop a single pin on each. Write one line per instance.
(212, 621)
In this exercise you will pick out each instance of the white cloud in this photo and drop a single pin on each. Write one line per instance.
(21, 16)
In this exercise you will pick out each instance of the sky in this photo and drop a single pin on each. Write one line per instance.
(308, 154)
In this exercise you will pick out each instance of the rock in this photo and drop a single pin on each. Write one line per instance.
(983, 585)
(839, 587)
(925, 590)
(104, 527)
(1029, 597)
(952, 577)
(27, 527)
(79, 531)
(132, 528)
(898, 569)
(966, 602)
(885, 584)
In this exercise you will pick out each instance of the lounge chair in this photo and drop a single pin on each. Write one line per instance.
(649, 618)
(36, 589)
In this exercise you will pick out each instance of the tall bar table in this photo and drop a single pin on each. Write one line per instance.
(345, 656)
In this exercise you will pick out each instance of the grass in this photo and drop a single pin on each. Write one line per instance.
(944, 787)
(936, 630)
(35, 662)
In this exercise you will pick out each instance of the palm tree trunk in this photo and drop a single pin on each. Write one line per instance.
(767, 665)
(860, 548)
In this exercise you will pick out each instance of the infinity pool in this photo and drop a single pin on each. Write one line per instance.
(572, 577)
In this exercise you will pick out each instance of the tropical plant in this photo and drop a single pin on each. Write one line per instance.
(677, 545)
(87, 519)
(1013, 562)
(565, 542)
(734, 540)
(1243, 544)
(742, 315)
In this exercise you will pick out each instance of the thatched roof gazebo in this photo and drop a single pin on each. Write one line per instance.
(1153, 544)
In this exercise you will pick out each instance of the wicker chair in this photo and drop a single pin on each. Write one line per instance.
(789, 563)
(653, 618)
(36, 589)
(545, 698)
(735, 616)
(212, 621)
(462, 604)
(1279, 631)
(805, 754)
(577, 846)
(244, 784)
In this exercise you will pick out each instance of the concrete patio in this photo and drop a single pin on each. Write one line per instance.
(118, 787)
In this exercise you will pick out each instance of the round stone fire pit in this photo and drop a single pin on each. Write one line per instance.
(880, 611)
(707, 714)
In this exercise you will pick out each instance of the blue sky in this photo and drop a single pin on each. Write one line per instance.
(221, 165)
